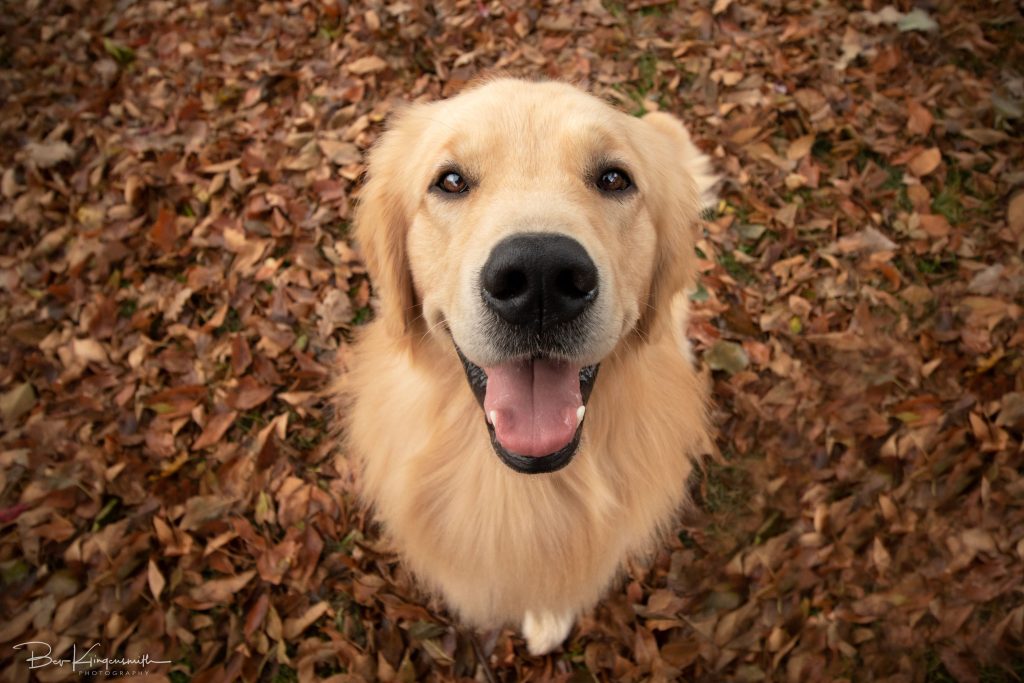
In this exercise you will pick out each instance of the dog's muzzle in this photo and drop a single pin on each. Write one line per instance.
(538, 289)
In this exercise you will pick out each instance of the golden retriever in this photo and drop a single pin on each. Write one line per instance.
(524, 410)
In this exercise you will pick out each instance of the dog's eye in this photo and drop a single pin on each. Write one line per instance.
(452, 183)
(613, 180)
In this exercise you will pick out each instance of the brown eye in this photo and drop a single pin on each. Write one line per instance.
(452, 183)
(613, 180)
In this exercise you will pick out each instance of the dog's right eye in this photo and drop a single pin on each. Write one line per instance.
(614, 180)
(452, 183)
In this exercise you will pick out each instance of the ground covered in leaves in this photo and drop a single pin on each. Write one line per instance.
(177, 284)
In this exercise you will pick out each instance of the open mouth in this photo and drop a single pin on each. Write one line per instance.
(534, 409)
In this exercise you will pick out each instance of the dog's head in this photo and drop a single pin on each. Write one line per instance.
(535, 229)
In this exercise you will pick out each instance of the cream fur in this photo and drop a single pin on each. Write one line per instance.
(499, 546)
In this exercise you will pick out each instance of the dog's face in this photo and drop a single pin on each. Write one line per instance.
(534, 228)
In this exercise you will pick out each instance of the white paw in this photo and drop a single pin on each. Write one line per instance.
(544, 631)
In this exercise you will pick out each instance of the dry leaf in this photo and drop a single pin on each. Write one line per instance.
(155, 579)
(1015, 214)
(800, 147)
(215, 429)
(17, 401)
(294, 627)
(220, 591)
(925, 162)
(919, 119)
(49, 154)
(367, 65)
(249, 393)
(164, 232)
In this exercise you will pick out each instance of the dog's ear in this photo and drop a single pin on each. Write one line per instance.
(682, 186)
(383, 215)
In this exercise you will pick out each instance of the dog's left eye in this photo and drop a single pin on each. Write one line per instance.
(613, 180)
(452, 183)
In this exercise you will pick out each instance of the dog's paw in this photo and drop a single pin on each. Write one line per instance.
(544, 631)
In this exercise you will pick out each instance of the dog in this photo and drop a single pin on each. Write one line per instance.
(524, 411)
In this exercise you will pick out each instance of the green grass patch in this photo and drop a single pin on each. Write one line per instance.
(127, 308)
(736, 269)
(939, 265)
(363, 315)
(285, 674)
(616, 8)
(726, 488)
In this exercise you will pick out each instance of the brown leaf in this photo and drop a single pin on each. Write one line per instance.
(295, 626)
(215, 429)
(256, 614)
(935, 225)
(925, 162)
(164, 232)
(340, 153)
(275, 562)
(800, 147)
(89, 351)
(880, 556)
(249, 393)
(201, 509)
(49, 154)
(919, 119)
(1011, 413)
(155, 579)
(367, 65)
(867, 241)
(241, 355)
(1015, 214)
(17, 401)
(220, 591)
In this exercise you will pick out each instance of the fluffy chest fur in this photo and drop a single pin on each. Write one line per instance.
(496, 543)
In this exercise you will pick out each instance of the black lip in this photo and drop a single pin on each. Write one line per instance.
(525, 464)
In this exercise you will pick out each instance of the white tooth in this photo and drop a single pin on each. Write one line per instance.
(492, 416)
(579, 414)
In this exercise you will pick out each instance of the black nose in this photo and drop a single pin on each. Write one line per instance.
(539, 279)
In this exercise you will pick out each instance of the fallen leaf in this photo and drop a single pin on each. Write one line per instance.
(917, 20)
(919, 119)
(1011, 413)
(202, 509)
(215, 429)
(164, 232)
(800, 147)
(340, 153)
(367, 65)
(89, 351)
(17, 401)
(935, 225)
(249, 393)
(925, 162)
(49, 154)
(727, 356)
(294, 627)
(866, 241)
(1015, 214)
(156, 579)
(720, 6)
(220, 591)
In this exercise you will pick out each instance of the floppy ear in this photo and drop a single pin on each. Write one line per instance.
(682, 182)
(385, 209)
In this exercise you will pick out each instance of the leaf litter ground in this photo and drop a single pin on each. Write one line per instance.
(177, 284)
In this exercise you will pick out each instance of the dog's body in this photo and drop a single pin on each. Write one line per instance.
(502, 545)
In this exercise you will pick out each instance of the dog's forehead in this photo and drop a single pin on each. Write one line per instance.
(522, 118)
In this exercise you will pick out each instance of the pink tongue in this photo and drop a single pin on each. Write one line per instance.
(533, 405)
